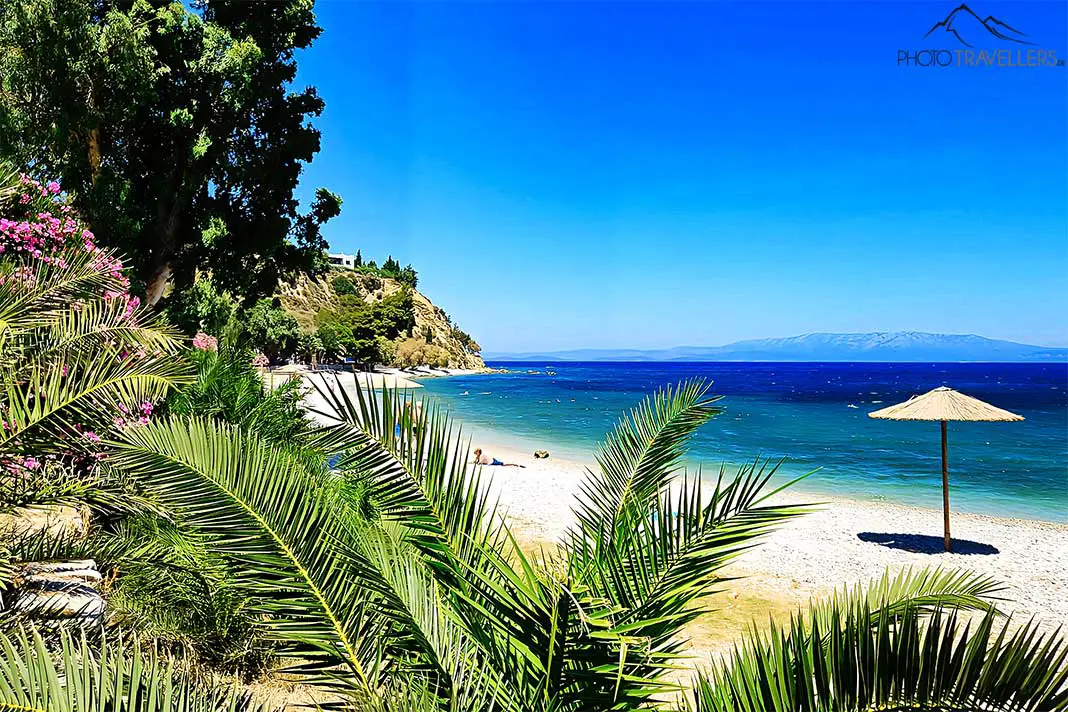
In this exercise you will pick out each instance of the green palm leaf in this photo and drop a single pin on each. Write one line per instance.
(108, 674)
(602, 634)
(93, 327)
(45, 407)
(418, 471)
(856, 657)
(50, 290)
(273, 518)
(639, 458)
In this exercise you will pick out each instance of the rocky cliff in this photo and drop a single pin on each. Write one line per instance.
(307, 297)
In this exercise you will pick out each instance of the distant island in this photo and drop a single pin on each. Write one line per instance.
(897, 346)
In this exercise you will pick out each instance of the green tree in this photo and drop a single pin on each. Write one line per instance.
(202, 307)
(174, 127)
(409, 277)
(358, 262)
(272, 330)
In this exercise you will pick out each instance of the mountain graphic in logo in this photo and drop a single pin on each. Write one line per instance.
(965, 25)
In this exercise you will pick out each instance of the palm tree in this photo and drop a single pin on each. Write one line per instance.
(433, 605)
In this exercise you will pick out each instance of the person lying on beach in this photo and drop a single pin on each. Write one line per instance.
(481, 459)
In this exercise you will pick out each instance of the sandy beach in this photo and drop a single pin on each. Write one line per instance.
(380, 378)
(844, 541)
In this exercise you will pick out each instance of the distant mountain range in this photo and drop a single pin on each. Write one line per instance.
(898, 346)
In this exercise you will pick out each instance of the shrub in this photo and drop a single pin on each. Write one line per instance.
(229, 388)
(343, 285)
(416, 352)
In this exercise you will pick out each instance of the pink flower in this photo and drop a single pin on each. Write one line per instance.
(91, 436)
(53, 187)
(261, 361)
(31, 463)
(204, 342)
(146, 408)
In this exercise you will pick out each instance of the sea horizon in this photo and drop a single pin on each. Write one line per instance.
(812, 414)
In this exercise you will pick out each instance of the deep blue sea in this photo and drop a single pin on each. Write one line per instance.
(815, 414)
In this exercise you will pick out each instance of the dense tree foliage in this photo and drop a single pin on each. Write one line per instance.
(342, 285)
(362, 331)
(174, 127)
(272, 329)
(390, 269)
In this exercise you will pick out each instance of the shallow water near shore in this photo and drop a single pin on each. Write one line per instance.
(813, 414)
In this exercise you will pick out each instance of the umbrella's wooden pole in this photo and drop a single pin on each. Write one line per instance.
(945, 485)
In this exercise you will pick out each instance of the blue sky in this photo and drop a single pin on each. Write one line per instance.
(595, 174)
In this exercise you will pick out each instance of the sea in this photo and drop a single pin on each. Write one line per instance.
(815, 415)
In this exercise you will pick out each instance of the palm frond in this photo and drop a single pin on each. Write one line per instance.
(923, 588)
(417, 466)
(895, 657)
(47, 291)
(46, 407)
(639, 459)
(659, 569)
(96, 326)
(272, 518)
(424, 641)
(108, 674)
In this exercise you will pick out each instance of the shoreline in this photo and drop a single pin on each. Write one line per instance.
(843, 541)
(382, 377)
(521, 444)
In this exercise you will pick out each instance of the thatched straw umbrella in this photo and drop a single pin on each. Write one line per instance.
(945, 404)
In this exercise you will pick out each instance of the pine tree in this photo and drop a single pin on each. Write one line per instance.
(359, 260)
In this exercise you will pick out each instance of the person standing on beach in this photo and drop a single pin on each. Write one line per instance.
(483, 459)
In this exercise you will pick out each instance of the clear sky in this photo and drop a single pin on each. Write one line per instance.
(595, 174)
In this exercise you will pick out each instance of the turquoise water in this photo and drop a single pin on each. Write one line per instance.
(813, 414)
